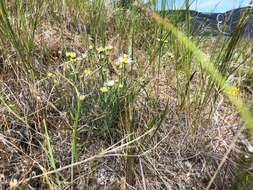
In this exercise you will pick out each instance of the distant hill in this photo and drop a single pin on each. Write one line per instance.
(215, 23)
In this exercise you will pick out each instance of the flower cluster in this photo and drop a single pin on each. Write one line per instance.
(71, 56)
(110, 84)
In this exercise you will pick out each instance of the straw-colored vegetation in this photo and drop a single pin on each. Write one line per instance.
(95, 95)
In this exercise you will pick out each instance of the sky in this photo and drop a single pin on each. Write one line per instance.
(207, 5)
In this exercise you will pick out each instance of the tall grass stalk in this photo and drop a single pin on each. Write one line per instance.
(76, 117)
(74, 156)
(50, 153)
(184, 65)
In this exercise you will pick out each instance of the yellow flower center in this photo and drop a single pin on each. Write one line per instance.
(234, 91)
(104, 89)
(125, 58)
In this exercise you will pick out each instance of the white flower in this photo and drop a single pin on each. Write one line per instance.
(125, 59)
(110, 83)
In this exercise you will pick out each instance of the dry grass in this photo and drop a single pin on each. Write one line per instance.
(168, 146)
